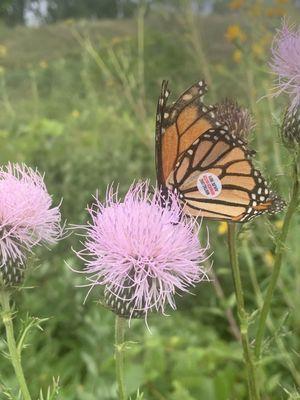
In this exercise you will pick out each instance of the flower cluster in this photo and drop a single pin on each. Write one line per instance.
(141, 252)
(27, 218)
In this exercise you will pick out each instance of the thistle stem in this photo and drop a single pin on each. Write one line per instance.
(119, 356)
(279, 252)
(15, 356)
(242, 314)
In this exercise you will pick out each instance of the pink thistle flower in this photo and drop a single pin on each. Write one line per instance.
(141, 252)
(26, 217)
(286, 62)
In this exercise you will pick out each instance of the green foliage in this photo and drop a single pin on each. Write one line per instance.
(58, 10)
(13, 11)
(78, 101)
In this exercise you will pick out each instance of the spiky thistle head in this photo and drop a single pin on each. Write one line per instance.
(142, 253)
(238, 119)
(290, 129)
(27, 218)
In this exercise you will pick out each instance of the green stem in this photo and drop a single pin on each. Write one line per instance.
(280, 249)
(287, 359)
(141, 52)
(119, 356)
(11, 342)
(194, 35)
(243, 317)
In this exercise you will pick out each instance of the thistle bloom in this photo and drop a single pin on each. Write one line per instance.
(238, 119)
(26, 218)
(141, 252)
(286, 63)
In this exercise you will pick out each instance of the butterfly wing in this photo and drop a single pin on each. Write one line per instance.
(179, 125)
(195, 152)
(215, 179)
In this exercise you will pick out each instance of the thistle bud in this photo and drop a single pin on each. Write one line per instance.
(290, 129)
(12, 274)
(123, 304)
(238, 119)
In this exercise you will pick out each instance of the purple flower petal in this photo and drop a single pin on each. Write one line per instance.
(26, 216)
(286, 62)
(141, 252)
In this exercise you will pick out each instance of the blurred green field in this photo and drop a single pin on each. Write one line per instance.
(78, 100)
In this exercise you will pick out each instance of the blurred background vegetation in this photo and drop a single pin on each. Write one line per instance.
(79, 81)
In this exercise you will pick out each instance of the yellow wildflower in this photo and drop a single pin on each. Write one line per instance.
(237, 56)
(268, 259)
(257, 49)
(275, 12)
(43, 64)
(75, 114)
(279, 224)
(3, 50)
(234, 32)
(236, 4)
(222, 228)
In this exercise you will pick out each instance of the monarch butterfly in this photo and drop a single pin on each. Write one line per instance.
(209, 167)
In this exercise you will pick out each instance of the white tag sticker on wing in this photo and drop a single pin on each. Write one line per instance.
(209, 185)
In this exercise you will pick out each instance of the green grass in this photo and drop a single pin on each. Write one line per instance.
(78, 101)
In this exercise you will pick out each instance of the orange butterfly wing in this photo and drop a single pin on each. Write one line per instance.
(179, 125)
(243, 192)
